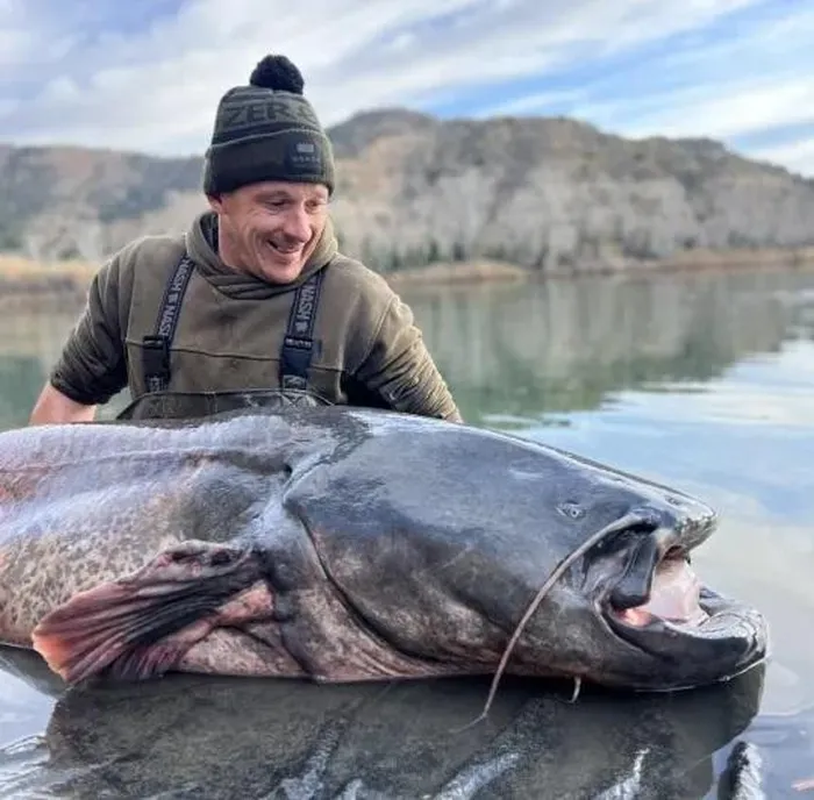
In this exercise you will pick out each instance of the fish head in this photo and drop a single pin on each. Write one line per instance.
(469, 542)
(631, 610)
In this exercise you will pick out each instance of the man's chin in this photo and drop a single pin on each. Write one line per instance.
(281, 271)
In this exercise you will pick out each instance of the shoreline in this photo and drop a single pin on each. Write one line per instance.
(24, 280)
(484, 270)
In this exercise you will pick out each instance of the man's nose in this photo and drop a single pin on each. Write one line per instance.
(297, 224)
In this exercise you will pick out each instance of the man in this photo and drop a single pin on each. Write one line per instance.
(256, 294)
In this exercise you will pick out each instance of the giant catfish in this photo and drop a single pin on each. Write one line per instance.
(341, 545)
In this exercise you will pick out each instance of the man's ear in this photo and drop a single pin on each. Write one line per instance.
(215, 202)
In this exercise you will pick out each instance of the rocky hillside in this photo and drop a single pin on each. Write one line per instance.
(543, 193)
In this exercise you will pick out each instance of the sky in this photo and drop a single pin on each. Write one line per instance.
(146, 75)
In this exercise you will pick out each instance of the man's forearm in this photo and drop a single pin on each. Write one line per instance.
(411, 382)
(400, 369)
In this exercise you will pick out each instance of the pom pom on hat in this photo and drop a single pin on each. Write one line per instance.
(279, 74)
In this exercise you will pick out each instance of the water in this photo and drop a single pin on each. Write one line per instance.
(702, 381)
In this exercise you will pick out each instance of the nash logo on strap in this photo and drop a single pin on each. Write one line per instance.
(305, 309)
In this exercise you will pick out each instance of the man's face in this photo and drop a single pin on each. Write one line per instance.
(270, 229)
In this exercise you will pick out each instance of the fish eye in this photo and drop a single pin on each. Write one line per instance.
(571, 509)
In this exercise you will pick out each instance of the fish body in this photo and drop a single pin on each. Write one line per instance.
(344, 545)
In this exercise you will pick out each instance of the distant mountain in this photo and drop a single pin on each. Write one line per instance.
(540, 192)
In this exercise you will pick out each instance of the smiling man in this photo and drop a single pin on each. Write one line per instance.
(256, 294)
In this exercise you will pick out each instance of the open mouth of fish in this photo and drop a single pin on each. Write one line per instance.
(661, 606)
(674, 596)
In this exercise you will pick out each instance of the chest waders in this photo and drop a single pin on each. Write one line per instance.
(295, 359)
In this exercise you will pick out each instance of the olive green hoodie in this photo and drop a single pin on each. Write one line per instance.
(231, 325)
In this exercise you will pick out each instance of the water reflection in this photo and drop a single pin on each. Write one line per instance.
(526, 350)
(220, 738)
(561, 346)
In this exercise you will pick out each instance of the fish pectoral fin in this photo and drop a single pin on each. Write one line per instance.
(141, 624)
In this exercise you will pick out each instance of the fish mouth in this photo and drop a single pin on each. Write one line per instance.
(693, 635)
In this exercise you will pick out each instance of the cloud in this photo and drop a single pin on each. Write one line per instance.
(746, 82)
(148, 78)
(718, 111)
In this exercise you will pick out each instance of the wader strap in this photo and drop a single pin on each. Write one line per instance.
(298, 343)
(156, 348)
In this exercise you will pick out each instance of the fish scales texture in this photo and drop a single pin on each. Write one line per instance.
(83, 505)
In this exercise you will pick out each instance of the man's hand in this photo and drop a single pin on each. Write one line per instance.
(53, 406)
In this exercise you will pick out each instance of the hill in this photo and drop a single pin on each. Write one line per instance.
(543, 193)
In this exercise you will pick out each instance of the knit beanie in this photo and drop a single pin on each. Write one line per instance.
(267, 131)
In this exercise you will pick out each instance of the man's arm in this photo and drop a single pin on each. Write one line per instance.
(53, 406)
(399, 368)
(91, 367)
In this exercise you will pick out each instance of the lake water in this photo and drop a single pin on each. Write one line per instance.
(702, 381)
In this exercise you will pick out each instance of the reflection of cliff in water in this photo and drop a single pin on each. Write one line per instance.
(564, 345)
(531, 348)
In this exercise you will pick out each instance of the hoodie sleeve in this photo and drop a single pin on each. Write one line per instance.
(399, 368)
(92, 366)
